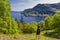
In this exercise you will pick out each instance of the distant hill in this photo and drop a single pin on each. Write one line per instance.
(37, 11)
(49, 9)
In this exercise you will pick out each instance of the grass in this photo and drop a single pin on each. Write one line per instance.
(26, 37)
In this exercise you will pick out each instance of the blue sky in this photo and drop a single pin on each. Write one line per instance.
(20, 5)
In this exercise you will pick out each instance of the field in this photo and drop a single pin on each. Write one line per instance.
(26, 37)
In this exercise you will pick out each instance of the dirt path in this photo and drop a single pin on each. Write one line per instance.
(26, 37)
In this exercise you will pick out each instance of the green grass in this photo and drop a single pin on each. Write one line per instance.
(27, 37)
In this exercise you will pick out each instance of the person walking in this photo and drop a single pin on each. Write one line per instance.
(38, 33)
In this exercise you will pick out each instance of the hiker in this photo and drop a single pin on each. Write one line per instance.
(38, 32)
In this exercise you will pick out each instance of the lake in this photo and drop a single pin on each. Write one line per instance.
(27, 19)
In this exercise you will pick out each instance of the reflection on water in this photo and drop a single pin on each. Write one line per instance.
(27, 19)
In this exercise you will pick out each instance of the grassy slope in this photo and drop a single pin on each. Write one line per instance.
(27, 37)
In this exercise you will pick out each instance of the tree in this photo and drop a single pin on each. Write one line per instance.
(53, 23)
(48, 22)
(7, 24)
(30, 27)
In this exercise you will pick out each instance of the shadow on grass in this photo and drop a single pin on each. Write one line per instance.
(53, 34)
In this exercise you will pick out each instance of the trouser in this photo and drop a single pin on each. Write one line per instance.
(37, 37)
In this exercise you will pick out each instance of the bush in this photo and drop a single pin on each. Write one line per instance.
(28, 27)
(53, 23)
(7, 24)
(42, 25)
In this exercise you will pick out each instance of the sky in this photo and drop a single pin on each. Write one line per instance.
(20, 5)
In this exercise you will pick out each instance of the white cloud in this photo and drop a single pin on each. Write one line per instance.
(49, 1)
(24, 4)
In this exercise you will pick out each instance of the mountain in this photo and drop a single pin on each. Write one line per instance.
(39, 9)
(49, 9)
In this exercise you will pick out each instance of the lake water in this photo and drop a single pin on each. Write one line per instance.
(25, 18)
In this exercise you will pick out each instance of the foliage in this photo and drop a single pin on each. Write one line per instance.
(28, 27)
(52, 23)
(49, 23)
(7, 24)
(42, 25)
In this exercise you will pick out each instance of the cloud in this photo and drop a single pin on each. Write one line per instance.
(18, 5)
(49, 1)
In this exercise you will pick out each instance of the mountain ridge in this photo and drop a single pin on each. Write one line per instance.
(49, 9)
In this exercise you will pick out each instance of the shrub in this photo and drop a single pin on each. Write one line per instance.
(7, 24)
(28, 27)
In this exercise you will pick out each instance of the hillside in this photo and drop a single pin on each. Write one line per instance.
(49, 9)
(37, 12)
